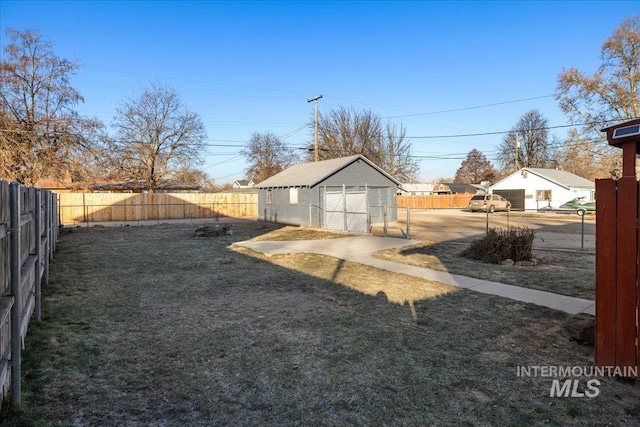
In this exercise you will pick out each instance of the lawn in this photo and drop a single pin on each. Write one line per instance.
(153, 326)
(563, 272)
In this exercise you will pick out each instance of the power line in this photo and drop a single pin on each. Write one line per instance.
(468, 135)
(199, 81)
(470, 108)
(293, 132)
(227, 176)
(232, 159)
(299, 93)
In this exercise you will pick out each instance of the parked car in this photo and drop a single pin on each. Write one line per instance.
(580, 205)
(489, 202)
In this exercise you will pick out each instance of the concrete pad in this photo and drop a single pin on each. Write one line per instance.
(345, 248)
(590, 309)
(564, 303)
(425, 273)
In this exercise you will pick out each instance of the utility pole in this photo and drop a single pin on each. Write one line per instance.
(315, 134)
(517, 149)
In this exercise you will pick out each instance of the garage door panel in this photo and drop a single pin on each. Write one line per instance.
(516, 197)
(356, 211)
(334, 207)
(357, 223)
(356, 202)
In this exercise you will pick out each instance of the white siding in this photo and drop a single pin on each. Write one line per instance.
(531, 183)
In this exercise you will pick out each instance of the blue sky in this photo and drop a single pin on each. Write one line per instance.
(250, 67)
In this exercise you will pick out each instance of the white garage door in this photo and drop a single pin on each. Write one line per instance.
(354, 218)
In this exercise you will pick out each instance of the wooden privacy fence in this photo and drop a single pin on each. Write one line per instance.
(28, 234)
(435, 201)
(104, 207)
(617, 258)
(617, 304)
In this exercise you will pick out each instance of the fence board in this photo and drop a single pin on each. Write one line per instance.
(626, 255)
(26, 229)
(637, 272)
(105, 207)
(606, 272)
(435, 201)
(5, 218)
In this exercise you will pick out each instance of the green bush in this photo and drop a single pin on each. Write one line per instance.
(499, 244)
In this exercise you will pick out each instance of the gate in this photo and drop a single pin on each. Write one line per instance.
(346, 211)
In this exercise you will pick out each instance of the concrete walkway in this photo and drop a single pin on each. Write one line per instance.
(359, 249)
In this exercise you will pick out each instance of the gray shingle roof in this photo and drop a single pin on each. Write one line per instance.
(311, 173)
(563, 178)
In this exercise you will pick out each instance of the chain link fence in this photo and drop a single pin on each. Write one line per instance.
(553, 230)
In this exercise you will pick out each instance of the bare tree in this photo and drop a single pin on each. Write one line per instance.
(527, 144)
(40, 133)
(219, 188)
(344, 132)
(475, 169)
(185, 172)
(156, 133)
(611, 94)
(266, 156)
(395, 154)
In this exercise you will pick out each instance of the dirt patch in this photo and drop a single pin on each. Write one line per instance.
(569, 273)
(152, 326)
(289, 233)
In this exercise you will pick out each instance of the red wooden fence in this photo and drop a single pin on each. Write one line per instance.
(617, 296)
(617, 239)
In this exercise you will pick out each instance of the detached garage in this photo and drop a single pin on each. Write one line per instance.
(345, 194)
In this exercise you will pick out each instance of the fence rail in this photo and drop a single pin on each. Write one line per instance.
(102, 207)
(28, 234)
(434, 201)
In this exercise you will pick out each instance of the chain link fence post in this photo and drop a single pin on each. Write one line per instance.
(384, 214)
(582, 234)
(487, 222)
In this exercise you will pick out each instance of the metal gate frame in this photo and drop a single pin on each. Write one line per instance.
(347, 211)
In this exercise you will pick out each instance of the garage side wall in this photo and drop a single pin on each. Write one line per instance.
(282, 209)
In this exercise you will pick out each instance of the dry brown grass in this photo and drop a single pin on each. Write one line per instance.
(297, 233)
(152, 326)
(569, 273)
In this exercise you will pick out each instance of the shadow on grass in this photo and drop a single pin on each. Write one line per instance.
(569, 273)
(154, 326)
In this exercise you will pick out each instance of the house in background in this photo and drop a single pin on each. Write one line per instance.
(346, 194)
(536, 188)
(55, 185)
(243, 183)
(423, 189)
(139, 186)
(458, 188)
